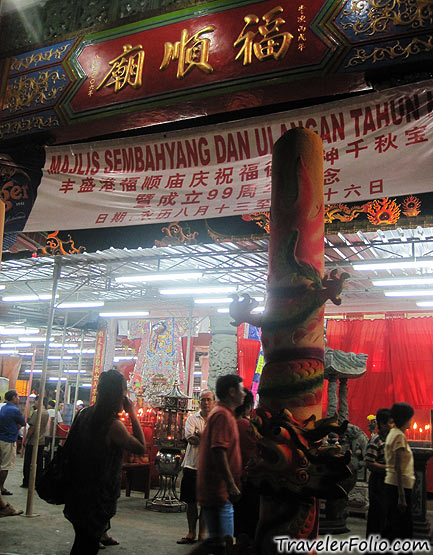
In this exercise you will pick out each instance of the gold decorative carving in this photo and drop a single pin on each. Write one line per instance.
(343, 213)
(262, 219)
(27, 124)
(26, 90)
(176, 236)
(57, 246)
(416, 46)
(383, 211)
(21, 64)
(368, 17)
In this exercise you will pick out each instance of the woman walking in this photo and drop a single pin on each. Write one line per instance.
(94, 457)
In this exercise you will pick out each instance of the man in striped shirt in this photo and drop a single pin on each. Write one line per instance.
(375, 462)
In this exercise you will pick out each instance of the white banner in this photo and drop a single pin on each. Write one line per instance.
(377, 145)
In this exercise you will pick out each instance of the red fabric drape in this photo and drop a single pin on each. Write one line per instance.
(248, 351)
(399, 367)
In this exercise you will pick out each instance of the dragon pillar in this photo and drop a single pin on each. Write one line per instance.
(295, 466)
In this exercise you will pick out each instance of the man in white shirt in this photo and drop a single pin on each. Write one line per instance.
(194, 427)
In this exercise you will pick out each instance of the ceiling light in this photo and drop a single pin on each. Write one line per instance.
(199, 290)
(81, 304)
(219, 300)
(32, 339)
(34, 372)
(51, 379)
(6, 352)
(224, 310)
(394, 264)
(410, 293)
(74, 371)
(124, 314)
(117, 359)
(402, 281)
(425, 303)
(83, 352)
(258, 309)
(18, 331)
(159, 277)
(66, 345)
(2, 287)
(24, 354)
(85, 385)
(58, 357)
(14, 345)
(26, 298)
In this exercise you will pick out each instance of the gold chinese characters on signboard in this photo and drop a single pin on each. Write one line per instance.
(262, 40)
(267, 41)
(189, 52)
(126, 69)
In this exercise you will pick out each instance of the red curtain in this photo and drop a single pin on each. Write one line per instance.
(248, 351)
(399, 367)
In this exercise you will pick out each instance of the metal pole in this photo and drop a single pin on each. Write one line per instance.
(27, 407)
(32, 479)
(77, 383)
(190, 379)
(59, 384)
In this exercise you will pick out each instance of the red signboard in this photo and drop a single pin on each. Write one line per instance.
(267, 38)
(98, 363)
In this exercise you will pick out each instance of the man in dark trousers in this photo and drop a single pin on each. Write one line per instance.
(31, 441)
(375, 462)
(220, 463)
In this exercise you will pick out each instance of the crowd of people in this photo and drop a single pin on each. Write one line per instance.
(221, 500)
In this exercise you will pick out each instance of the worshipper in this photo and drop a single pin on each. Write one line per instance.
(31, 441)
(246, 510)
(375, 463)
(400, 476)
(220, 463)
(94, 460)
(11, 420)
(194, 426)
(52, 412)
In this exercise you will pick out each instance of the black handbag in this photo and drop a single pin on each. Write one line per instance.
(52, 484)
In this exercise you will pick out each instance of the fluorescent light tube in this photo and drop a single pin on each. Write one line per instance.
(26, 298)
(84, 351)
(34, 372)
(85, 385)
(219, 300)
(59, 345)
(391, 282)
(74, 371)
(51, 379)
(125, 314)
(258, 309)
(394, 264)
(33, 339)
(6, 352)
(2, 287)
(159, 277)
(199, 290)
(58, 357)
(15, 345)
(117, 359)
(410, 293)
(25, 354)
(18, 331)
(224, 310)
(425, 303)
(80, 304)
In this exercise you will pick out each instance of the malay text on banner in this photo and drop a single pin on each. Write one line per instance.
(375, 146)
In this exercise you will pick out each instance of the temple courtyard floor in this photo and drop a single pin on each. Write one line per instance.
(138, 530)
